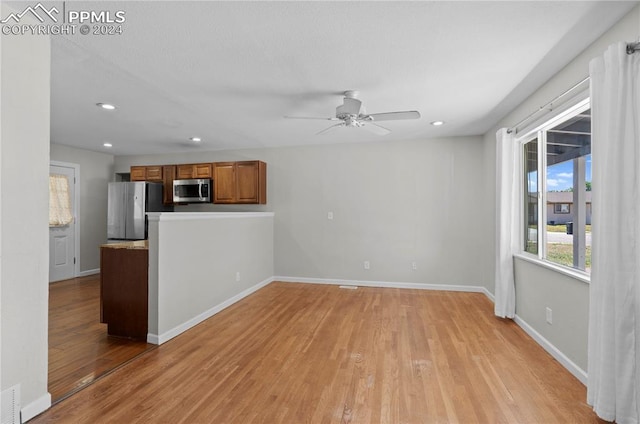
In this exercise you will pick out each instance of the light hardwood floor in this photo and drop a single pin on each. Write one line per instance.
(79, 349)
(302, 353)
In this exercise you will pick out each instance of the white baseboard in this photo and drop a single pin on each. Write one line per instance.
(36, 407)
(89, 272)
(179, 329)
(489, 295)
(571, 366)
(384, 284)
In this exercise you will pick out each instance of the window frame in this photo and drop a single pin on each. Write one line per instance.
(558, 210)
(538, 130)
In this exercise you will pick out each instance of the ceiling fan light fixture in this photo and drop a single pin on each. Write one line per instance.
(106, 106)
(437, 123)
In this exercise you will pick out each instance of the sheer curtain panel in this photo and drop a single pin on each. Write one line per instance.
(507, 166)
(614, 312)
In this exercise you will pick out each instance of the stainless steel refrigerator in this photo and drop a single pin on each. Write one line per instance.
(127, 208)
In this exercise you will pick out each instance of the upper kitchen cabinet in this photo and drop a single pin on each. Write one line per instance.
(193, 170)
(168, 175)
(154, 173)
(146, 173)
(224, 183)
(240, 182)
(138, 173)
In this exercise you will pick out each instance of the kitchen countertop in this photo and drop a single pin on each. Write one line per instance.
(187, 216)
(137, 244)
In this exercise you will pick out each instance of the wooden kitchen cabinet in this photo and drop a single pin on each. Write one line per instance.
(193, 170)
(124, 289)
(138, 173)
(233, 182)
(146, 173)
(240, 182)
(154, 173)
(251, 182)
(224, 186)
(202, 170)
(184, 172)
(168, 175)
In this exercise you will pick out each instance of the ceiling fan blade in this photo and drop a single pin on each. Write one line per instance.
(375, 129)
(331, 128)
(393, 116)
(311, 117)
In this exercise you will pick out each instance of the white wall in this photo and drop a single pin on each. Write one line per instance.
(24, 104)
(393, 203)
(96, 171)
(537, 287)
(193, 261)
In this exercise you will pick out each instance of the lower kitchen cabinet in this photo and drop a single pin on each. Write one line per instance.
(124, 289)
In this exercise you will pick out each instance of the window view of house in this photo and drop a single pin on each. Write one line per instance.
(564, 176)
(560, 208)
(531, 196)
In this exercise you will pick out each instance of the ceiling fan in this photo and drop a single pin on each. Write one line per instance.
(351, 113)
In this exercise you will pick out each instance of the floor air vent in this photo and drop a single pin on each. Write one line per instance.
(349, 287)
(10, 408)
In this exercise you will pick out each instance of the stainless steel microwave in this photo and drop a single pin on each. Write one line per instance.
(192, 191)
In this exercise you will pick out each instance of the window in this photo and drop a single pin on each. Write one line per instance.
(531, 196)
(59, 201)
(557, 189)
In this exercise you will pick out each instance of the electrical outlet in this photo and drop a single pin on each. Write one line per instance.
(414, 265)
(549, 315)
(238, 276)
(367, 265)
(329, 215)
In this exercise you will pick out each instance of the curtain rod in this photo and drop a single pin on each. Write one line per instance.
(631, 49)
(547, 106)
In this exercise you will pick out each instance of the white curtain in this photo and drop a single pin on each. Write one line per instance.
(59, 201)
(614, 311)
(507, 222)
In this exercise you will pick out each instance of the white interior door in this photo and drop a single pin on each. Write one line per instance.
(62, 244)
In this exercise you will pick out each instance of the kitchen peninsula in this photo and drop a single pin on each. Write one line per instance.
(194, 265)
(201, 263)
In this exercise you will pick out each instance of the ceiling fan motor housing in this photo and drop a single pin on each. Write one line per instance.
(350, 108)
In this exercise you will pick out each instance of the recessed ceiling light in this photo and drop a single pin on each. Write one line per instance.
(196, 139)
(106, 106)
(108, 145)
(437, 123)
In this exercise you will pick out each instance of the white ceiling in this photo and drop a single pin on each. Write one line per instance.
(229, 71)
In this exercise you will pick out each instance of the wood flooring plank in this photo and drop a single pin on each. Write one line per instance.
(80, 351)
(303, 353)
